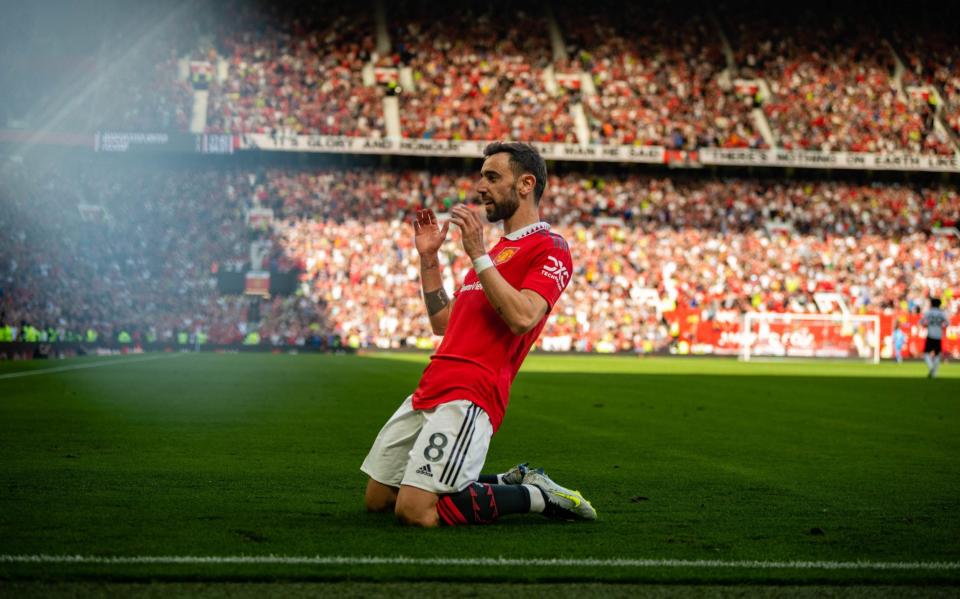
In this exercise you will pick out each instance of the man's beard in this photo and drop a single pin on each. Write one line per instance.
(506, 208)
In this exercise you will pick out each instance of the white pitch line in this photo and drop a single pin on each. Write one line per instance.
(14, 375)
(482, 561)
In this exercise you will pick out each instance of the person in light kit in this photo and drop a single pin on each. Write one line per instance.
(425, 464)
(899, 339)
(936, 321)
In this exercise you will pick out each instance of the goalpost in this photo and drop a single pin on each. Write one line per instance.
(768, 334)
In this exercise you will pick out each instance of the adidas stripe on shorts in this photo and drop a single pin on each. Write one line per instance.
(441, 450)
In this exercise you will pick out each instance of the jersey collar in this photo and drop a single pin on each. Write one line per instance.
(528, 230)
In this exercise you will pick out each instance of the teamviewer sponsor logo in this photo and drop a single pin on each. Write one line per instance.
(556, 271)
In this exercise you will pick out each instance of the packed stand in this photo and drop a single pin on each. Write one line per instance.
(699, 243)
(96, 260)
(832, 83)
(932, 58)
(142, 91)
(295, 71)
(640, 201)
(94, 253)
(88, 68)
(658, 78)
(478, 73)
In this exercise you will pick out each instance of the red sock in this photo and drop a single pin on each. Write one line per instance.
(482, 503)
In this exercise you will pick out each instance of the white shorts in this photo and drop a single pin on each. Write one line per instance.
(441, 450)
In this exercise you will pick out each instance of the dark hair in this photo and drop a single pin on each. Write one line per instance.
(524, 158)
(935, 302)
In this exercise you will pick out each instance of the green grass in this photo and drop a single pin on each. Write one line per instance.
(447, 589)
(695, 459)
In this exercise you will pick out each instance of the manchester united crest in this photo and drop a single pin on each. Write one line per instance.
(505, 254)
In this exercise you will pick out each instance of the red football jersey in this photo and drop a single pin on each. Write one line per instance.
(479, 356)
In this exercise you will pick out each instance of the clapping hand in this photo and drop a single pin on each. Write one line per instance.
(471, 230)
(428, 235)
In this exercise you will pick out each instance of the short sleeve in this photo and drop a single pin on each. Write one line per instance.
(550, 270)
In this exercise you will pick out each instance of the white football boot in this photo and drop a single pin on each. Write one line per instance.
(561, 503)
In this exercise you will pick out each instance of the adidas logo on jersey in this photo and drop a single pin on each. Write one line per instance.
(425, 470)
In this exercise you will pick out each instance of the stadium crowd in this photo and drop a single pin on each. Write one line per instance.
(701, 244)
(932, 59)
(658, 79)
(660, 76)
(134, 100)
(642, 73)
(640, 201)
(832, 84)
(294, 71)
(95, 67)
(479, 74)
(139, 252)
(94, 254)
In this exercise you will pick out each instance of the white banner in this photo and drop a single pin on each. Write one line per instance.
(121, 141)
(599, 153)
(845, 160)
(434, 147)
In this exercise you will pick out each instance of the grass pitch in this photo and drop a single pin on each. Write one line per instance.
(712, 470)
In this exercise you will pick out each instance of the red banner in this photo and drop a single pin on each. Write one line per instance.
(257, 283)
(721, 335)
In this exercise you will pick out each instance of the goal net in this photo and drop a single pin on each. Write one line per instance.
(766, 334)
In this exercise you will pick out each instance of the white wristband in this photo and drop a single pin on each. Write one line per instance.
(482, 263)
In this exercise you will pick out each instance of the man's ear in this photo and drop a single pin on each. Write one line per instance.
(527, 183)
